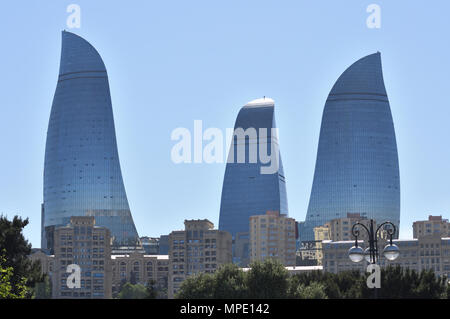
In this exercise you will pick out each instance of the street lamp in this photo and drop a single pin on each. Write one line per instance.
(390, 252)
(357, 254)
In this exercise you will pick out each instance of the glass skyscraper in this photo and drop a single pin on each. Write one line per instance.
(357, 164)
(247, 190)
(82, 175)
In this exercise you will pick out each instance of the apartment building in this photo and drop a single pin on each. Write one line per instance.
(138, 268)
(196, 249)
(273, 235)
(83, 244)
(434, 225)
(428, 252)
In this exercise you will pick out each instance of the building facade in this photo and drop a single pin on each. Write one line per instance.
(428, 252)
(337, 229)
(340, 229)
(46, 261)
(321, 233)
(88, 246)
(252, 184)
(272, 236)
(150, 245)
(138, 268)
(82, 175)
(357, 167)
(435, 225)
(196, 249)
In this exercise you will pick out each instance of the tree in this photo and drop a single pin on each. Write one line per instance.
(43, 290)
(229, 282)
(152, 290)
(130, 291)
(16, 251)
(267, 280)
(429, 285)
(7, 290)
(314, 291)
(198, 286)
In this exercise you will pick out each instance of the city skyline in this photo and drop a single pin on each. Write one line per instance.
(205, 89)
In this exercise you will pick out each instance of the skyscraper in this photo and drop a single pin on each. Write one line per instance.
(247, 189)
(82, 175)
(357, 164)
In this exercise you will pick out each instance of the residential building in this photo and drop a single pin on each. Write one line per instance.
(272, 235)
(321, 233)
(435, 225)
(47, 261)
(87, 246)
(337, 229)
(138, 268)
(196, 249)
(428, 252)
(89, 249)
(340, 229)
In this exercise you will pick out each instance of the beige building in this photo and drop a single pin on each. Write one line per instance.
(321, 233)
(272, 236)
(139, 268)
(428, 252)
(340, 229)
(134, 267)
(88, 246)
(435, 225)
(47, 261)
(196, 249)
(295, 270)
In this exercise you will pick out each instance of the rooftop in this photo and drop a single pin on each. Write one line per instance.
(265, 101)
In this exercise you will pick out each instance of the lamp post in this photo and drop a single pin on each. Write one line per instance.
(390, 251)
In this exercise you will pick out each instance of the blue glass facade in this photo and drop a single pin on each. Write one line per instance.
(246, 191)
(82, 175)
(357, 164)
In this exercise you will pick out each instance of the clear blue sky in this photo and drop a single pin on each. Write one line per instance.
(173, 62)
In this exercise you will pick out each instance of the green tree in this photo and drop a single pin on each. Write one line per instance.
(130, 291)
(429, 285)
(268, 279)
(43, 290)
(228, 282)
(16, 251)
(315, 290)
(7, 290)
(198, 286)
(153, 291)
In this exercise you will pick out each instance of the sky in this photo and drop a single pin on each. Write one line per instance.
(173, 62)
